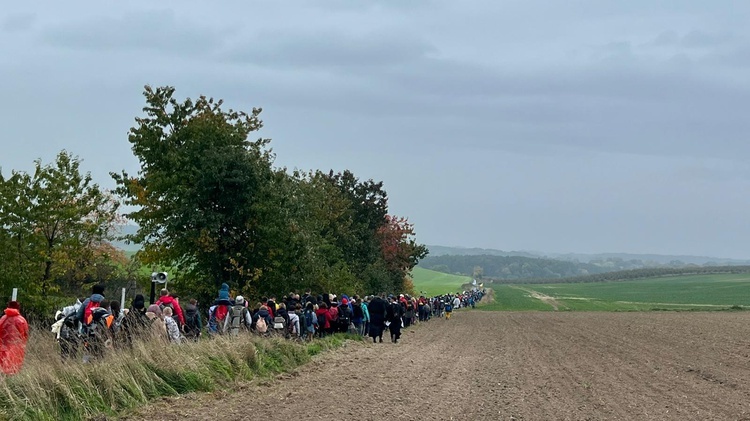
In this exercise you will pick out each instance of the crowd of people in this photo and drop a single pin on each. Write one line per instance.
(89, 328)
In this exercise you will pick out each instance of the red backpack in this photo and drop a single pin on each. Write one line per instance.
(221, 312)
(87, 316)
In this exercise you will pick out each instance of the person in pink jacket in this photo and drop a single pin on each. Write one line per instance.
(14, 333)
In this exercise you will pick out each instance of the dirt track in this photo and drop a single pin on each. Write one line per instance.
(523, 366)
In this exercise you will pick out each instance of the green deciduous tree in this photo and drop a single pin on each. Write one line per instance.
(201, 190)
(210, 204)
(52, 220)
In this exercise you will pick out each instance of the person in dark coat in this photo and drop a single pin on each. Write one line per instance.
(394, 314)
(136, 325)
(377, 309)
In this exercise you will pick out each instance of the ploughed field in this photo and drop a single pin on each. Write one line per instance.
(513, 365)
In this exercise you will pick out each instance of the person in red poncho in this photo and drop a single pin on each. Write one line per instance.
(14, 332)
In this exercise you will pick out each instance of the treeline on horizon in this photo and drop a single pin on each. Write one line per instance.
(210, 207)
(508, 267)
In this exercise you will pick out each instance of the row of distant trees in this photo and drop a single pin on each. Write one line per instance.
(509, 267)
(210, 206)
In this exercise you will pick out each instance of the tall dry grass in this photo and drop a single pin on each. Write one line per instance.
(47, 388)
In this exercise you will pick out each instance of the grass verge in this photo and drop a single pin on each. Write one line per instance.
(48, 389)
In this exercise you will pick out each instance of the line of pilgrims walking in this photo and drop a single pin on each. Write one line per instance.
(88, 329)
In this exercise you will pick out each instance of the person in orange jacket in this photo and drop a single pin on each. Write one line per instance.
(14, 333)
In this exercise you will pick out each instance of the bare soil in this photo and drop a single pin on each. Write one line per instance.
(506, 366)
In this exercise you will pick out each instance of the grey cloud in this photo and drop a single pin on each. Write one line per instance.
(701, 39)
(697, 39)
(18, 22)
(329, 48)
(157, 30)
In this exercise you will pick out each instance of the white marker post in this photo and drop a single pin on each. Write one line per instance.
(15, 294)
(122, 302)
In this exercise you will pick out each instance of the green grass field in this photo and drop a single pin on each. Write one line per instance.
(437, 283)
(697, 292)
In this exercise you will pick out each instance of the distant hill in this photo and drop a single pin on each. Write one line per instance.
(516, 268)
(613, 261)
(474, 251)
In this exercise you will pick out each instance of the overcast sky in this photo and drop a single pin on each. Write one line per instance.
(559, 126)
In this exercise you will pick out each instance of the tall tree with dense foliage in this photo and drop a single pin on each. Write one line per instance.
(52, 220)
(201, 190)
(209, 203)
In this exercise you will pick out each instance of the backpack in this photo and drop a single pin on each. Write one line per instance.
(309, 319)
(344, 316)
(334, 312)
(279, 322)
(321, 321)
(261, 325)
(191, 321)
(358, 313)
(99, 325)
(87, 312)
(235, 315)
(216, 320)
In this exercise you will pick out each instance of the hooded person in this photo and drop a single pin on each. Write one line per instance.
(348, 300)
(224, 295)
(14, 333)
(97, 296)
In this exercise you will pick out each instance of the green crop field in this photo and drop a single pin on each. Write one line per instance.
(694, 292)
(437, 283)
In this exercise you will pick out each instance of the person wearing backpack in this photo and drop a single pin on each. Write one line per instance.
(358, 315)
(98, 335)
(217, 315)
(166, 300)
(333, 311)
(310, 321)
(238, 317)
(345, 316)
(261, 323)
(83, 314)
(193, 323)
(324, 319)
